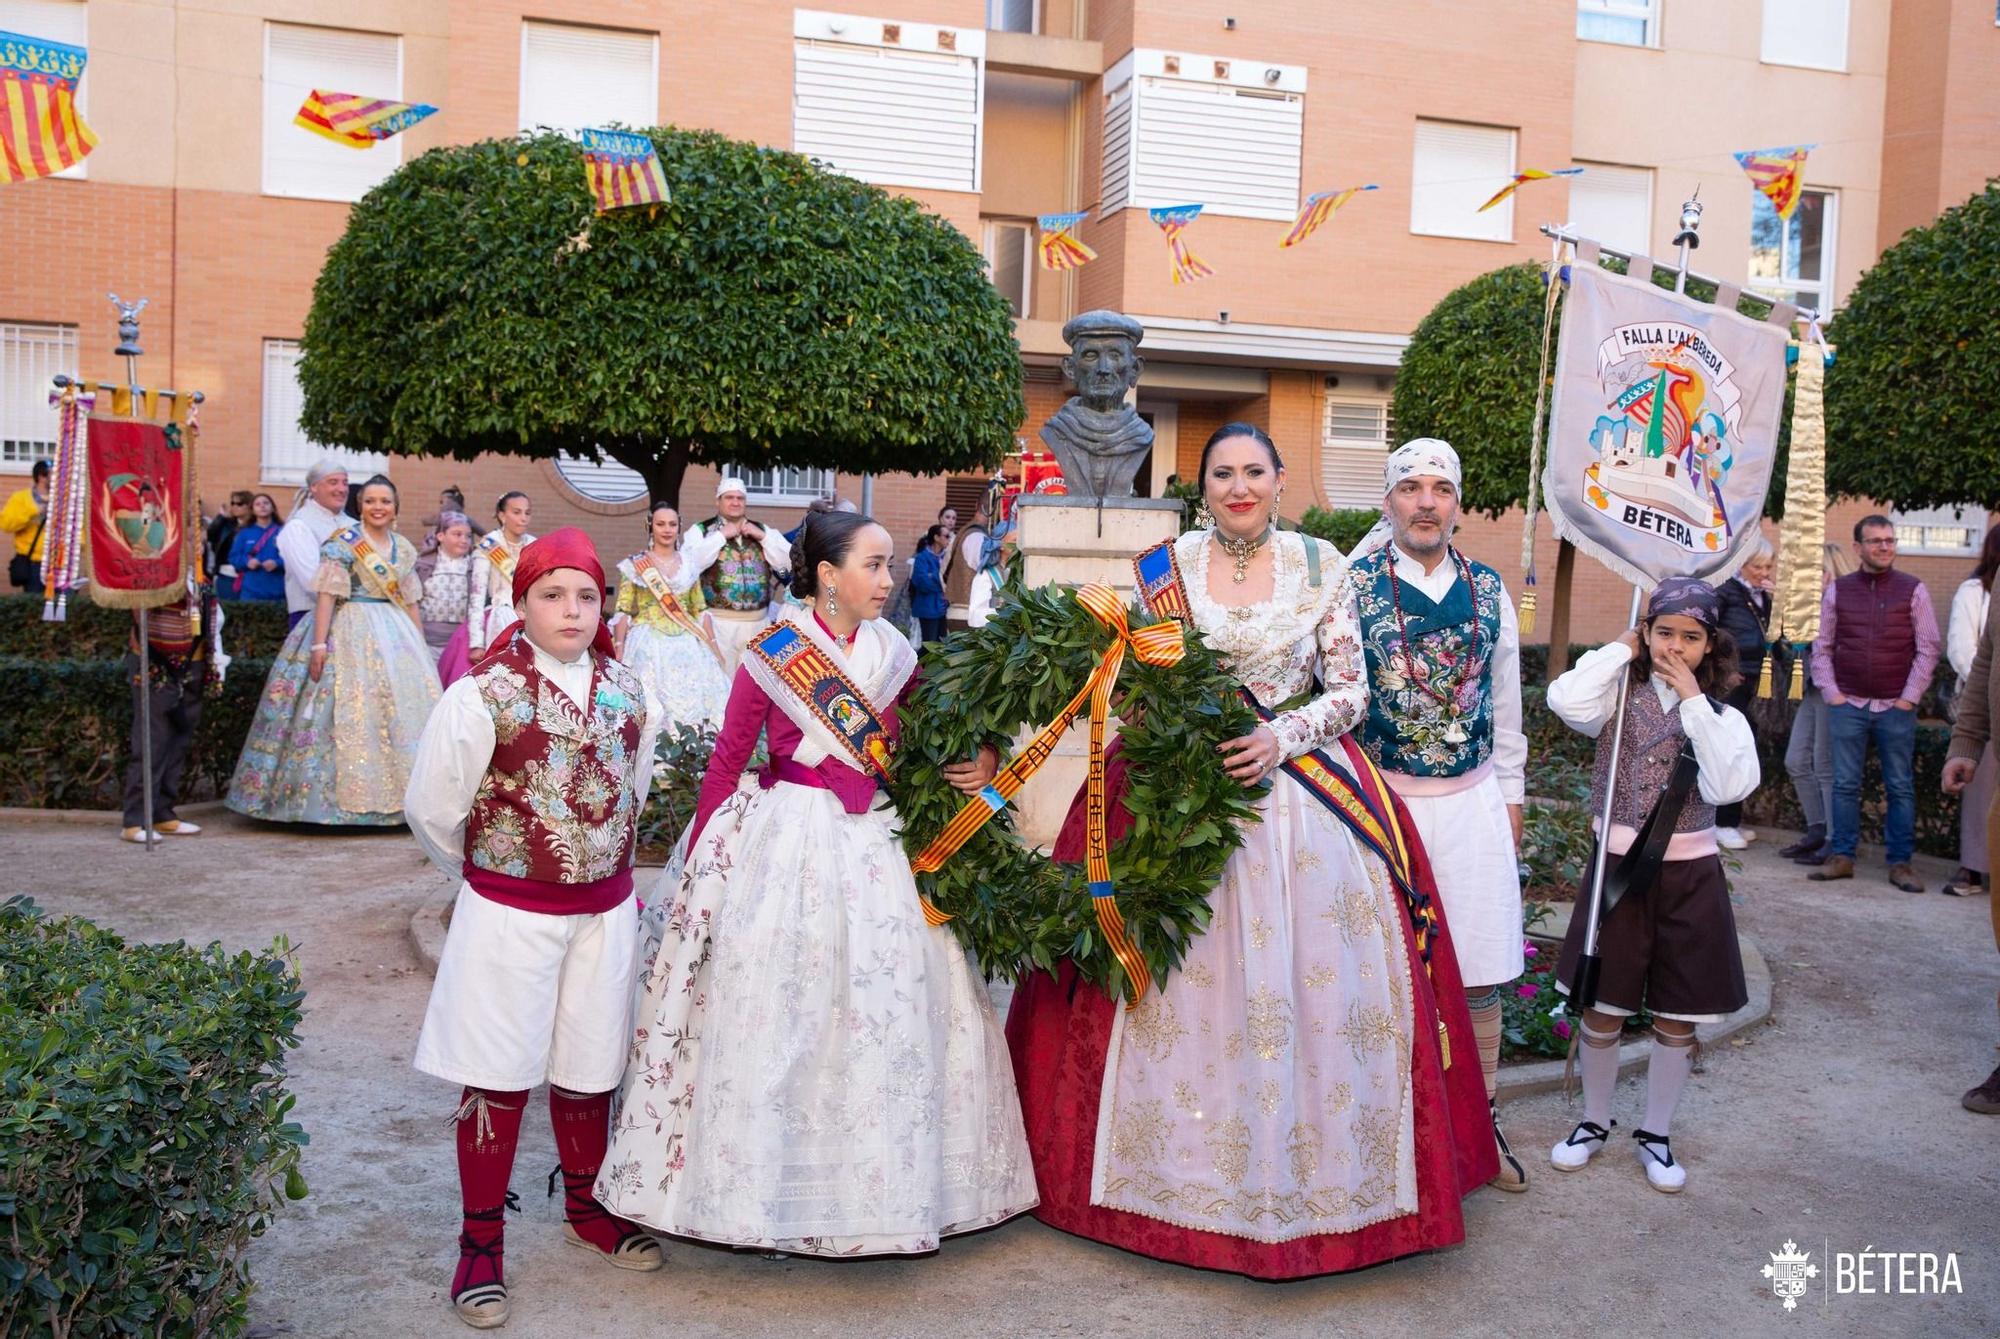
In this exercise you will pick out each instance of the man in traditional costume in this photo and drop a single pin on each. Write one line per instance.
(739, 560)
(184, 647)
(1444, 725)
(315, 516)
(529, 780)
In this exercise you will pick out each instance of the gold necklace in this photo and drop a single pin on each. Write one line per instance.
(1241, 551)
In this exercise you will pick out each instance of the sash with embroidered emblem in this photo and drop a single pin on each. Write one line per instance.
(494, 545)
(823, 689)
(1347, 782)
(1158, 574)
(655, 582)
(377, 566)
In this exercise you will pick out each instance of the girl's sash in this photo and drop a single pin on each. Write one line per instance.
(655, 581)
(820, 699)
(372, 562)
(494, 546)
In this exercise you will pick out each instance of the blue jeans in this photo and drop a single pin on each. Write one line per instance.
(1894, 733)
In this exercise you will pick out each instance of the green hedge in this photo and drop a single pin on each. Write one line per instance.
(65, 727)
(143, 1127)
(91, 632)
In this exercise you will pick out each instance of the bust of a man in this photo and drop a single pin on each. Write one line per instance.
(1099, 440)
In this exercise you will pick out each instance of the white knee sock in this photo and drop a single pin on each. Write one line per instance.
(1666, 1074)
(1599, 1066)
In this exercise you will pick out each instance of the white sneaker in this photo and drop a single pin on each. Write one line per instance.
(1581, 1146)
(1747, 834)
(140, 835)
(1662, 1172)
(1730, 839)
(177, 827)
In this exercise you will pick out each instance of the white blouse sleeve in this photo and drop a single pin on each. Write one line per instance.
(1961, 639)
(1587, 693)
(701, 547)
(480, 581)
(777, 549)
(452, 756)
(1344, 696)
(1510, 742)
(1724, 748)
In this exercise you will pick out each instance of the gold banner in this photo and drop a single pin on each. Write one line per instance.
(1800, 559)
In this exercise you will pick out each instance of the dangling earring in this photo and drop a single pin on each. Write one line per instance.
(832, 604)
(1277, 499)
(1204, 519)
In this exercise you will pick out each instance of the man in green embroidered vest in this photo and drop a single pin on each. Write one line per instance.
(739, 560)
(1444, 725)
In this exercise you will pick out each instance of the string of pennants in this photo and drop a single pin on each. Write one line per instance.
(41, 133)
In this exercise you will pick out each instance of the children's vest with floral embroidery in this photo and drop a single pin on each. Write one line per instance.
(1430, 713)
(557, 803)
(739, 578)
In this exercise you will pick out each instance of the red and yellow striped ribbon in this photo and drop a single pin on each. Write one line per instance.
(1155, 644)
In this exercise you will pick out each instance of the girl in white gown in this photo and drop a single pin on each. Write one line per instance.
(661, 631)
(816, 1069)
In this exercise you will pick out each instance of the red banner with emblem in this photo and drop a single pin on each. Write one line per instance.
(138, 512)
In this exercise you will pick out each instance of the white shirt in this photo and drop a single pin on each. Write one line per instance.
(1510, 741)
(703, 546)
(1968, 616)
(457, 748)
(299, 542)
(1724, 748)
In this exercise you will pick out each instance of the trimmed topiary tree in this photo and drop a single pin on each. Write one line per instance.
(774, 313)
(1910, 397)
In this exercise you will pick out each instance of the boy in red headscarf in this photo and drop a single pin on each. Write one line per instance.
(529, 780)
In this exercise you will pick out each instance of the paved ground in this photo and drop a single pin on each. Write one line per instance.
(1836, 1124)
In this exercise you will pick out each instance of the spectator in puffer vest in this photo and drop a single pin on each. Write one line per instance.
(1878, 645)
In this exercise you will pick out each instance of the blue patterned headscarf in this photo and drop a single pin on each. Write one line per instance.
(1690, 597)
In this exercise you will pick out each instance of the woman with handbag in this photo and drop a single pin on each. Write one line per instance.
(253, 553)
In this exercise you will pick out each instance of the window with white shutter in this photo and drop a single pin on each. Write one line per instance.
(784, 485)
(1948, 530)
(895, 104)
(30, 357)
(299, 59)
(65, 21)
(1456, 168)
(1354, 449)
(1181, 129)
(1614, 205)
(1009, 249)
(600, 478)
(574, 78)
(287, 452)
(1812, 33)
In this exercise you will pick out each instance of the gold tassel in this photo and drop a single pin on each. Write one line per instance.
(1798, 692)
(1527, 613)
(1444, 1046)
(1764, 678)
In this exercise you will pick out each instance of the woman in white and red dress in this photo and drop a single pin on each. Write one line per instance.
(816, 1069)
(1282, 1106)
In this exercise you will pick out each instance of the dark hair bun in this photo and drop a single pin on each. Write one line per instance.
(825, 537)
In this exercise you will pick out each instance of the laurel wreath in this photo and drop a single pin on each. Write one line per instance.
(1016, 909)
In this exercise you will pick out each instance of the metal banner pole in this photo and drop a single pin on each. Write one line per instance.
(128, 349)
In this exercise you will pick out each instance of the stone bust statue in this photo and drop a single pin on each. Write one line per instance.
(1099, 440)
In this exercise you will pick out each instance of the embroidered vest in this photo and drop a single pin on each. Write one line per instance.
(739, 578)
(1653, 739)
(1430, 713)
(556, 805)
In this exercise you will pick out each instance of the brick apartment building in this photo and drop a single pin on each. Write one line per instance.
(204, 198)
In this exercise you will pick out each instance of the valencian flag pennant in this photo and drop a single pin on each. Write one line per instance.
(1777, 173)
(357, 122)
(40, 132)
(1317, 210)
(623, 170)
(1173, 219)
(1059, 245)
(1523, 178)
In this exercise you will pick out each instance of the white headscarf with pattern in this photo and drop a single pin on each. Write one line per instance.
(1423, 456)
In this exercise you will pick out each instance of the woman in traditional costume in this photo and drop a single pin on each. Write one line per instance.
(1303, 1094)
(446, 571)
(348, 693)
(816, 1069)
(659, 625)
(492, 607)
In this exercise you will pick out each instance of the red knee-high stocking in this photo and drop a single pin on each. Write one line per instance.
(583, 1131)
(489, 1126)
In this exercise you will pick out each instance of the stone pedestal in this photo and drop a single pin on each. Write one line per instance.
(1074, 542)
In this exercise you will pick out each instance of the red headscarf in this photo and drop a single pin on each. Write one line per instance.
(567, 547)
